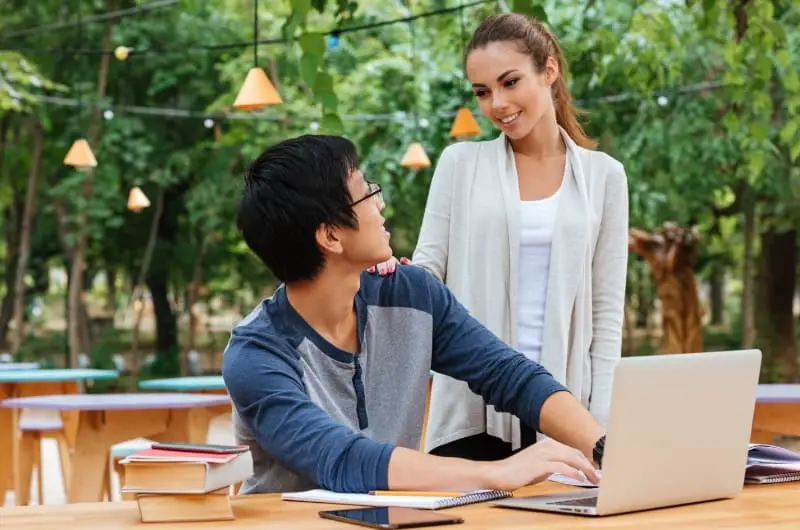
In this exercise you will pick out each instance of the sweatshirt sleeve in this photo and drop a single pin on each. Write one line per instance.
(465, 349)
(264, 381)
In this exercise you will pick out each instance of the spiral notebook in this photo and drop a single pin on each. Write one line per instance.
(770, 464)
(407, 501)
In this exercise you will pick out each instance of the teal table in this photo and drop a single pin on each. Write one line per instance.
(59, 375)
(18, 366)
(38, 382)
(195, 384)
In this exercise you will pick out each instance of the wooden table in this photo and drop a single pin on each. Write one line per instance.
(106, 419)
(36, 382)
(777, 413)
(757, 507)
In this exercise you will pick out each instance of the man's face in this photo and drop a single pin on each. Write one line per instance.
(369, 243)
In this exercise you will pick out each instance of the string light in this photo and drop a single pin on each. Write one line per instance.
(169, 112)
(337, 33)
(121, 52)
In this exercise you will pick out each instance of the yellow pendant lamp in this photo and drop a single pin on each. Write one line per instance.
(415, 157)
(80, 155)
(464, 124)
(257, 91)
(137, 200)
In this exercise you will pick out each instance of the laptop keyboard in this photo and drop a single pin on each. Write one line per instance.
(583, 501)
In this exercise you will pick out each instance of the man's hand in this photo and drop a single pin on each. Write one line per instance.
(413, 470)
(537, 462)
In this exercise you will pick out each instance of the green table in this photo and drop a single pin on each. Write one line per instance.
(200, 383)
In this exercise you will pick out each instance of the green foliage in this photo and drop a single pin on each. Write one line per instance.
(689, 149)
(20, 81)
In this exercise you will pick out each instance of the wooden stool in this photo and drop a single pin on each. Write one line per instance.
(33, 429)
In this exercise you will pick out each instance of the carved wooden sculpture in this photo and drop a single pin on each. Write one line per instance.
(671, 252)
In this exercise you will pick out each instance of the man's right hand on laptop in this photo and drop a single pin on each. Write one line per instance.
(537, 462)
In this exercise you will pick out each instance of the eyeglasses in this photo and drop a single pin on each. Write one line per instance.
(374, 192)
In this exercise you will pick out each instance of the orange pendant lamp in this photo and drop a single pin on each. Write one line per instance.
(80, 155)
(137, 200)
(415, 157)
(464, 124)
(257, 91)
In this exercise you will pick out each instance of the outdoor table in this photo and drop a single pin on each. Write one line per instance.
(18, 366)
(107, 419)
(777, 412)
(37, 382)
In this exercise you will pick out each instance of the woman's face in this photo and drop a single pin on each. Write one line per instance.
(509, 90)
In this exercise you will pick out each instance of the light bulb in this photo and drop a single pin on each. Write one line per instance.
(121, 52)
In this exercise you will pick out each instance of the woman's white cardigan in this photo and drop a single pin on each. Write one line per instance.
(470, 239)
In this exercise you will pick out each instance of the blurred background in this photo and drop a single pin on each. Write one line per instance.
(133, 263)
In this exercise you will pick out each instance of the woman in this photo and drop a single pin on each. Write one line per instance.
(529, 231)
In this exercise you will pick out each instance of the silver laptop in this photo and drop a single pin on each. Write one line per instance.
(678, 433)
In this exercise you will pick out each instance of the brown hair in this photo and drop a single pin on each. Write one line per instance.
(536, 41)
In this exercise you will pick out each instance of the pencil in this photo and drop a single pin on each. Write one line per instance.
(401, 493)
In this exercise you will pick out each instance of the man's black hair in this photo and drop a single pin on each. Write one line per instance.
(290, 190)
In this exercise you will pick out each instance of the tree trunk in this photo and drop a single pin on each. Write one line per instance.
(11, 237)
(166, 326)
(194, 292)
(12, 221)
(671, 254)
(717, 294)
(77, 326)
(748, 280)
(644, 303)
(777, 285)
(25, 237)
(111, 290)
(681, 314)
(138, 287)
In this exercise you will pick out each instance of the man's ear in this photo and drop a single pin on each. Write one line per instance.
(329, 239)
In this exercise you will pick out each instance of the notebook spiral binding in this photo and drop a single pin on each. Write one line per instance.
(788, 477)
(471, 498)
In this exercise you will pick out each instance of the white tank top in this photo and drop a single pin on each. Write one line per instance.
(537, 222)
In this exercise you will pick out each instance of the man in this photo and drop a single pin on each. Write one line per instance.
(329, 376)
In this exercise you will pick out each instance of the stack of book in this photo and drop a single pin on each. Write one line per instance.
(183, 482)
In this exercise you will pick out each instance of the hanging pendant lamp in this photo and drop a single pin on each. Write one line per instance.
(137, 200)
(464, 124)
(257, 91)
(80, 155)
(415, 157)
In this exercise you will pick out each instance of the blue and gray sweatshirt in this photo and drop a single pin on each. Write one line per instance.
(316, 416)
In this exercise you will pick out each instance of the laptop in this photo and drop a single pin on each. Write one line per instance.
(678, 433)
